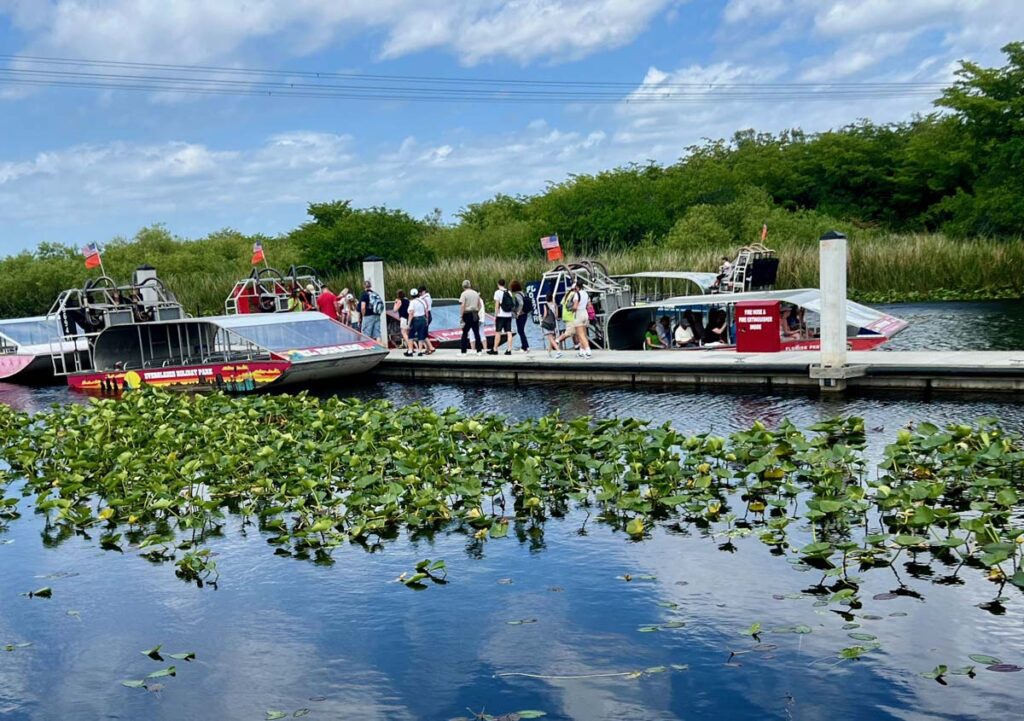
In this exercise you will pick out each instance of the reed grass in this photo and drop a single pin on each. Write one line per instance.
(882, 268)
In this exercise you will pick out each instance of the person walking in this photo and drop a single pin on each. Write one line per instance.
(355, 320)
(549, 327)
(575, 307)
(417, 323)
(429, 302)
(401, 308)
(524, 307)
(470, 307)
(327, 303)
(504, 309)
(371, 307)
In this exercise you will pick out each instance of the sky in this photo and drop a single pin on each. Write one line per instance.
(82, 164)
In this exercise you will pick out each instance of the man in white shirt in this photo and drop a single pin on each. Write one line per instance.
(504, 309)
(471, 307)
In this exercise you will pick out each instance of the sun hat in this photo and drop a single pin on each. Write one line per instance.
(413, 292)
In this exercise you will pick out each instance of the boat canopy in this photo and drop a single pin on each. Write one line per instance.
(704, 281)
(224, 339)
(35, 331)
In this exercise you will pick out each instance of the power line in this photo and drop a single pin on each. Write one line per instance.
(213, 80)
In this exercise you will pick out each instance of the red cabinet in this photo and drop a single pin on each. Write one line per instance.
(757, 327)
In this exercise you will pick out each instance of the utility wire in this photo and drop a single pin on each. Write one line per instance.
(212, 80)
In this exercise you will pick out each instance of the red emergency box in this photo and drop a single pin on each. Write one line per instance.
(757, 327)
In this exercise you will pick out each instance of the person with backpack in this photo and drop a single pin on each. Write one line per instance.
(577, 319)
(371, 307)
(549, 327)
(504, 310)
(523, 310)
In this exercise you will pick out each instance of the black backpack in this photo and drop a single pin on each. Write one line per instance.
(508, 303)
(527, 304)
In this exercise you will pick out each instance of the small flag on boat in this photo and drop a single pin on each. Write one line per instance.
(92, 255)
(257, 253)
(548, 242)
(764, 232)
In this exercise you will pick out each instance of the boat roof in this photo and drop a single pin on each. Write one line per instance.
(701, 279)
(808, 298)
(38, 330)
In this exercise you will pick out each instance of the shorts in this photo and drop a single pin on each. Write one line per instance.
(418, 328)
(549, 331)
(577, 324)
(503, 324)
(403, 323)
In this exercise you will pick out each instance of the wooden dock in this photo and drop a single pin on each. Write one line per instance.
(973, 371)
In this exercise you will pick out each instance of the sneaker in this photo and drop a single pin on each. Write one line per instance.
(420, 354)
(587, 355)
(508, 352)
(491, 352)
(525, 350)
(463, 352)
(407, 354)
(479, 352)
(558, 354)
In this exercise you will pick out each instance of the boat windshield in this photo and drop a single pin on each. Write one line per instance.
(30, 332)
(285, 336)
(445, 315)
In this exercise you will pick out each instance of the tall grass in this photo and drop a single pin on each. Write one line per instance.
(885, 267)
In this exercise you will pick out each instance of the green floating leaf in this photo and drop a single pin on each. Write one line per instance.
(656, 669)
(862, 637)
(531, 713)
(300, 713)
(983, 659)
(44, 592)
(189, 656)
(635, 527)
(673, 624)
(647, 629)
(936, 673)
(275, 715)
(906, 540)
(153, 653)
(852, 652)
(753, 630)
(169, 671)
(134, 683)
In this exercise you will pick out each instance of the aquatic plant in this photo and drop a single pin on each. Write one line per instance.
(159, 474)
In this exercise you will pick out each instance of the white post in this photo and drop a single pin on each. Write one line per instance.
(373, 271)
(832, 275)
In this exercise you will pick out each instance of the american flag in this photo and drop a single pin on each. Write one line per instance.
(548, 242)
(257, 253)
(92, 255)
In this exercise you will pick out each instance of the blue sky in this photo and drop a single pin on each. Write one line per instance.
(80, 165)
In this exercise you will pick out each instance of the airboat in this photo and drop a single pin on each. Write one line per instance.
(626, 305)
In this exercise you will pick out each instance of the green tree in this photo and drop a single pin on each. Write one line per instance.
(340, 236)
(988, 104)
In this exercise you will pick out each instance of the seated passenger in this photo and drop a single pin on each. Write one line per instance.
(717, 330)
(683, 336)
(651, 339)
(665, 331)
(789, 324)
(696, 323)
(724, 271)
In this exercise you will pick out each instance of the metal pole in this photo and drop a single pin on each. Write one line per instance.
(832, 270)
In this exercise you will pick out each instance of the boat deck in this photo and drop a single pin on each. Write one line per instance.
(979, 371)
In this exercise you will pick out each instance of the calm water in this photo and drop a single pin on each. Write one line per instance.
(345, 642)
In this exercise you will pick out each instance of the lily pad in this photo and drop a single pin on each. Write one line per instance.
(134, 683)
(984, 660)
(169, 671)
(1005, 667)
(275, 715)
(862, 637)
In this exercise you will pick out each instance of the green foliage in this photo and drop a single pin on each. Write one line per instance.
(339, 236)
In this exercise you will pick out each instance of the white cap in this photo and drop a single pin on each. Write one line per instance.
(413, 292)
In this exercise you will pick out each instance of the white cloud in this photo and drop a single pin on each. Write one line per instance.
(198, 31)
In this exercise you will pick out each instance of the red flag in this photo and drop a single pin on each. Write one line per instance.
(257, 253)
(92, 256)
(764, 232)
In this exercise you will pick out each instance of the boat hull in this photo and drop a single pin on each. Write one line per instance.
(32, 368)
(238, 377)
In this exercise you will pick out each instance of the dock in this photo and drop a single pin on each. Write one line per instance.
(970, 371)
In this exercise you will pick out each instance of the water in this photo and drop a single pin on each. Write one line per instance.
(344, 641)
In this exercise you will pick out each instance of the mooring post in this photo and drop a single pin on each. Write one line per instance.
(373, 271)
(832, 371)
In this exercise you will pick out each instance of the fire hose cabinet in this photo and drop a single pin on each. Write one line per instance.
(757, 327)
